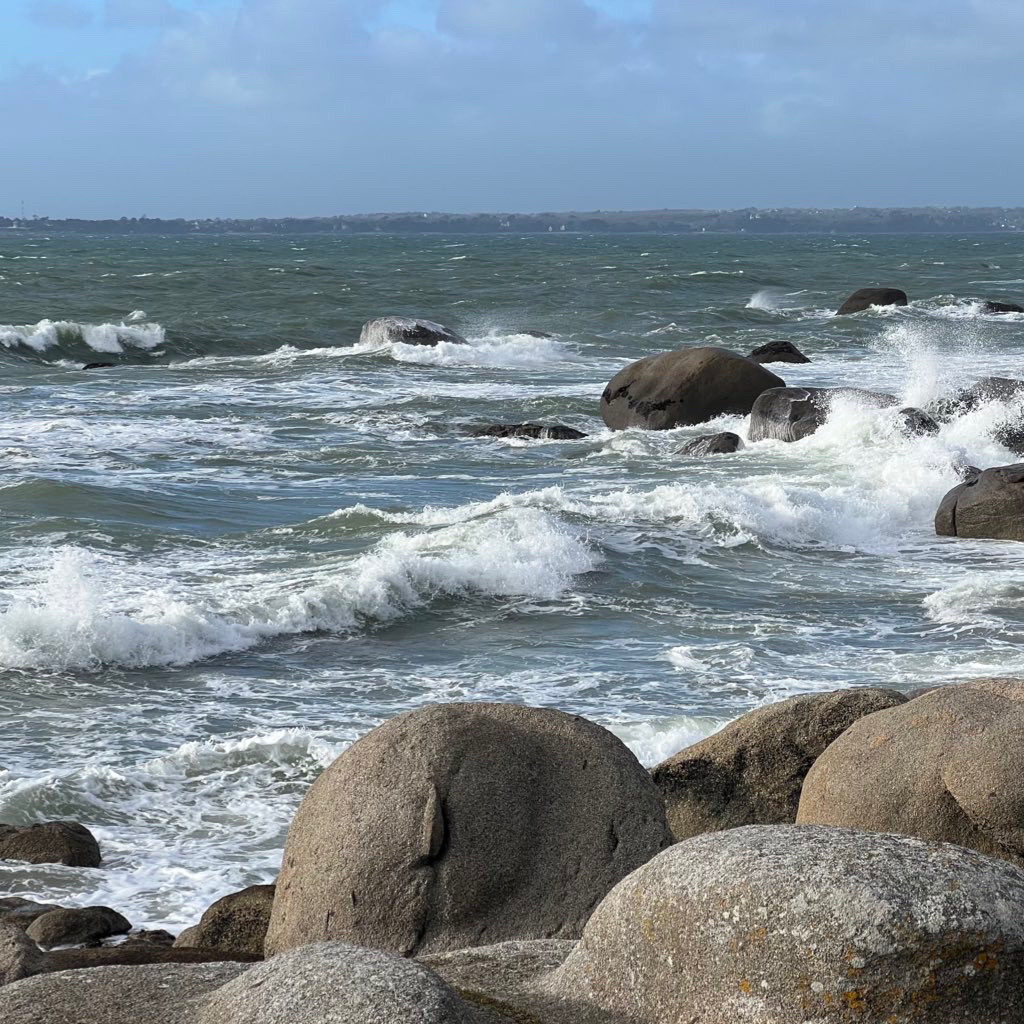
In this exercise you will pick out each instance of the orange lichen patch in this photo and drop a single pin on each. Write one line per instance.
(745, 987)
(854, 999)
(986, 961)
(757, 934)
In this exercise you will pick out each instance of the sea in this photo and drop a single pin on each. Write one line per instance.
(252, 539)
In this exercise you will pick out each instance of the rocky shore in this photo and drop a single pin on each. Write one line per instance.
(845, 856)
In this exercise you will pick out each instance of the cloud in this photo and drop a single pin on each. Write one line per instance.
(142, 14)
(60, 14)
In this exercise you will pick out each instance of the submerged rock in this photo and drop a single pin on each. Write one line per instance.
(713, 444)
(752, 771)
(790, 414)
(77, 925)
(987, 505)
(683, 388)
(865, 298)
(98, 366)
(917, 422)
(50, 842)
(236, 922)
(993, 306)
(464, 825)
(387, 330)
(536, 431)
(778, 352)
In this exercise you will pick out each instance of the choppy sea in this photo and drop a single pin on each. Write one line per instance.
(251, 540)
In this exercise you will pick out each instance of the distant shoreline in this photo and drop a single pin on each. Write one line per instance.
(858, 220)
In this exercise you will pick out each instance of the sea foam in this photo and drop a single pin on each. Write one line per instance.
(108, 338)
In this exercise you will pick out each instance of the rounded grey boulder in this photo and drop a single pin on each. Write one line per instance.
(713, 444)
(778, 352)
(751, 772)
(682, 388)
(948, 765)
(464, 825)
(790, 414)
(237, 922)
(50, 842)
(987, 505)
(74, 925)
(865, 298)
(334, 983)
(787, 924)
(405, 330)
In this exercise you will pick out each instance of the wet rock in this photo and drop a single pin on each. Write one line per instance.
(536, 431)
(464, 825)
(74, 926)
(948, 765)
(751, 772)
(988, 505)
(334, 983)
(388, 330)
(130, 954)
(237, 921)
(187, 937)
(158, 994)
(789, 924)
(51, 842)
(865, 298)
(778, 352)
(917, 422)
(682, 388)
(713, 444)
(988, 389)
(98, 366)
(149, 937)
(20, 912)
(20, 957)
(790, 414)
(992, 306)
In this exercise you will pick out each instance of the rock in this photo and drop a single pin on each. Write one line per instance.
(536, 334)
(334, 983)
(149, 937)
(51, 842)
(917, 422)
(865, 298)
(713, 444)
(389, 330)
(790, 414)
(237, 921)
(752, 771)
(187, 938)
(98, 366)
(20, 957)
(20, 912)
(778, 352)
(988, 389)
(682, 388)
(464, 825)
(74, 926)
(991, 306)
(159, 994)
(947, 766)
(963, 470)
(782, 924)
(134, 954)
(987, 505)
(542, 431)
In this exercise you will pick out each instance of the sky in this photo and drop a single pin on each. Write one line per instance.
(244, 108)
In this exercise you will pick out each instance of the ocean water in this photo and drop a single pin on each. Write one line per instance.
(250, 541)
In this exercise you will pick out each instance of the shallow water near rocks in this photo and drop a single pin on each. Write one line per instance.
(251, 540)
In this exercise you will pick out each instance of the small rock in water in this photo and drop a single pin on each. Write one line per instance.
(51, 842)
(98, 366)
(536, 431)
(917, 422)
(865, 298)
(149, 937)
(992, 306)
(778, 352)
(713, 444)
(388, 330)
(77, 925)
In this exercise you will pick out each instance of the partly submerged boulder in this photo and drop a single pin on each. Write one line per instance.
(713, 444)
(751, 772)
(987, 505)
(865, 298)
(236, 922)
(994, 306)
(682, 388)
(778, 352)
(75, 925)
(948, 765)
(389, 330)
(782, 924)
(534, 431)
(916, 422)
(789, 414)
(50, 842)
(463, 825)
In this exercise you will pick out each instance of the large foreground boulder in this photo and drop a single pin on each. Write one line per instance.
(236, 922)
(752, 771)
(779, 924)
(50, 842)
(682, 388)
(404, 330)
(948, 765)
(790, 414)
(158, 994)
(988, 505)
(778, 352)
(865, 298)
(463, 825)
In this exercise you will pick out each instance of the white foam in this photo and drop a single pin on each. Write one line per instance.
(973, 600)
(494, 350)
(110, 338)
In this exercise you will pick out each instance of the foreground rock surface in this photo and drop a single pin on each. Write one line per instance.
(463, 825)
(948, 765)
(51, 842)
(787, 924)
(165, 994)
(791, 414)
(404, 330)
(987, 505)
(753, 770)
(865, 298)
(236, 922)
(682, 388)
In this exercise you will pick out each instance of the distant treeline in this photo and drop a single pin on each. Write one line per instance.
(859, 220)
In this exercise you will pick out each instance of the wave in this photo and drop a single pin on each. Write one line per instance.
(77, 618)
(107, 338)
(494, 350)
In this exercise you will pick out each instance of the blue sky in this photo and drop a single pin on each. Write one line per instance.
(301, 107)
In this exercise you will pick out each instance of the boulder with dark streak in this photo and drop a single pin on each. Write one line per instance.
(682, 388)
(534, 431)
(989, 505)
(789, 414)
(405, 330)
(865, 298)
(778, 352)
(713, 444)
